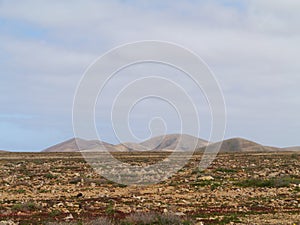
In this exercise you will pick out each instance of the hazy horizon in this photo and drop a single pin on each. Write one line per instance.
(116, 143)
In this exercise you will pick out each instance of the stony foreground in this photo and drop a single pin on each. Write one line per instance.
(241, 188)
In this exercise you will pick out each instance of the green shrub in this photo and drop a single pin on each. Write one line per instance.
(20, 191)
(27, 206)
(55, 212)
(230, 219)
(225, 170)
(277, 182)
(110, 210)
(50, 176)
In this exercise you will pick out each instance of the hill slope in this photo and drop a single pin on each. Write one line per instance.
(3, 151)
(130, 146)
(182, 142)
(167, 142)
(243, 145)
(294, 148)
(71, 145)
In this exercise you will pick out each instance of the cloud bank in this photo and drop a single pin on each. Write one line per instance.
(252, 47)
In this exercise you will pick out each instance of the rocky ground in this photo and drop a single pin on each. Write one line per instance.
(241, 188)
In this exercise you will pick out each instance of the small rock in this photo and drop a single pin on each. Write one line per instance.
(207, 178)
(8, 222)
(199, 223)
(262, 174)
(272, 175)
(180, 214)
(60, 204)
(69, 217)
(79, 195)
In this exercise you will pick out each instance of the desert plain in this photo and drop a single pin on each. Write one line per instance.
(237, 188)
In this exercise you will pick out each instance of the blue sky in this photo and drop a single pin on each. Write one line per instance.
(45, 47)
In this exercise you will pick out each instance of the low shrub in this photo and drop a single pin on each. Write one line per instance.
(276, 182)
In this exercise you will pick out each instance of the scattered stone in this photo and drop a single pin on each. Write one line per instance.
(180, 214)
(199, 223)
(79, 195)
(69, 217)
(274, 174)
(26, 194)
(207, 178)
(8, 222)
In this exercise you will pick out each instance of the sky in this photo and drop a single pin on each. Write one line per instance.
(252, 46)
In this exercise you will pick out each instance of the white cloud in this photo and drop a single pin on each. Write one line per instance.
(253, 48)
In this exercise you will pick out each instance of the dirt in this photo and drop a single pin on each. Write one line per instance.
(239, 188)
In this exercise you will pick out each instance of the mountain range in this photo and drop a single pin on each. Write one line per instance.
(170, 142)
(182, 142)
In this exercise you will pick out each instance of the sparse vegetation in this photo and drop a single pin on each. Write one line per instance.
(226, 170)
(152, 218)
(50, 176)
(278, 182)
(136, 219)
(235, 188)
(110, 210)
(27, 206)
(230, 219)
(55, 212)
(20, 191)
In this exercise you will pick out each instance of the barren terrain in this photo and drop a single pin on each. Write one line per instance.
(238, 188)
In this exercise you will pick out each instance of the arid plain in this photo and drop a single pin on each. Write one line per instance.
(238, 188)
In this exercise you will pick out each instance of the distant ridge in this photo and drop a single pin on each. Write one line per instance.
(243, 145)
(3, 151)
(165, 142)
(183, 142)
(170, 142)
(130, 146)
(71, 145)
(293, 148)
